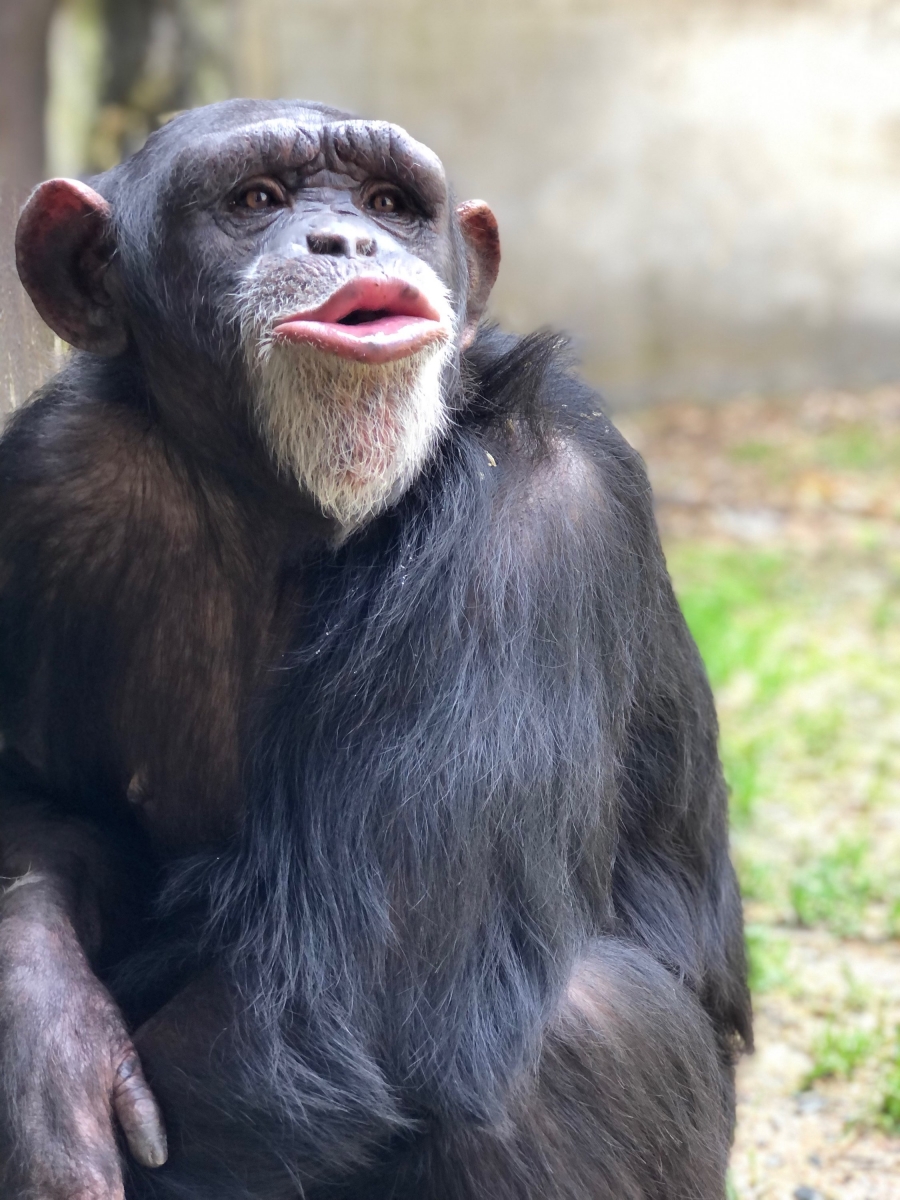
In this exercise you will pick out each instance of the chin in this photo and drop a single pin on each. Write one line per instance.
(352, 434)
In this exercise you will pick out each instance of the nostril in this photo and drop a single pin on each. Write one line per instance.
(327, 243)
(366, 247)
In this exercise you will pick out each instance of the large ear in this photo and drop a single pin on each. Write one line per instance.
(64, 245)
(482, 238)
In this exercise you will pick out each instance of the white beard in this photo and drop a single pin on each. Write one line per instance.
(355, 435)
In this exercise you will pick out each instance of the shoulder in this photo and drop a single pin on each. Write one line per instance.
(81, 463)
(73, 427)
(555, 446)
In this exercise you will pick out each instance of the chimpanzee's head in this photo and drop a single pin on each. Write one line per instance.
(282, 262)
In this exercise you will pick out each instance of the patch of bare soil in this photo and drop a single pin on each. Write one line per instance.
(819, 470)
(823, 1139)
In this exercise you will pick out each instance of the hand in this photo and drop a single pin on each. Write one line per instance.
(68, 1069)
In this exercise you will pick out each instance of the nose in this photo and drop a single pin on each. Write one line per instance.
(341, 238)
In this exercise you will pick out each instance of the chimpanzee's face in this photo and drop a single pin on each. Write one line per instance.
(319, 205)
(320, 260)
(336, 238)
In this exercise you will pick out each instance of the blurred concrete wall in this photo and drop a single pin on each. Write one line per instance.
(706, 193)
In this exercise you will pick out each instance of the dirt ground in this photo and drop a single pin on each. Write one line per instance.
(789, 1139)
(814, 481)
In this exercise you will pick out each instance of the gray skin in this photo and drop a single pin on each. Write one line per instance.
(70, 1073)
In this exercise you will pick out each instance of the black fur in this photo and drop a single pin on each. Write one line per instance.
(522, 736)
(477, 933)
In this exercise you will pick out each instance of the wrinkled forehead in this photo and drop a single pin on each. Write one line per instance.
(297, 146)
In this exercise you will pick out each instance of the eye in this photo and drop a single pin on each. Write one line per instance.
(259, 196)
(387, 202)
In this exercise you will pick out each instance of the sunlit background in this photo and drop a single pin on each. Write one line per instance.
(706, 195)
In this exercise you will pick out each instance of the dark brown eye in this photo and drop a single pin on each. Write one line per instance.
(387, 202)
(258, 197)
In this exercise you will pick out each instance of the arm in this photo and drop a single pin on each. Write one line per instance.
(67, 885)
(67, 1065)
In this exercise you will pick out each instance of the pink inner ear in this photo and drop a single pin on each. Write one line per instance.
(478, 214)
(62, 219)
(55, 210)
(479, 227)
(68, 196)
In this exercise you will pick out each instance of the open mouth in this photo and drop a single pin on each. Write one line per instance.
(369, 320)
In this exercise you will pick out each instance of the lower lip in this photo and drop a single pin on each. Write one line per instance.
(385, 340)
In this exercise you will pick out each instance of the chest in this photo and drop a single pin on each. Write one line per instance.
(189, 672)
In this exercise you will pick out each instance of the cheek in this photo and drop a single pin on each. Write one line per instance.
(450, 268)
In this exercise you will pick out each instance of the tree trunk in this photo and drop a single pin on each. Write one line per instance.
(23, 91)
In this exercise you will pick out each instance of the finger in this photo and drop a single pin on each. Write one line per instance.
(138, 1114)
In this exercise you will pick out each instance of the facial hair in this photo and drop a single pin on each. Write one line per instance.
(354, 435)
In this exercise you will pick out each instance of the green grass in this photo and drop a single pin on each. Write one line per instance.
(743, 765)
(735, 603)
(858, 997)
(888, 1104)
(757, 877)
(731, 1191)
(767, 958)
(858, 448)
(835, 889)
(753, 452)
(837, 1054)
(801, 640)
(732, 600)
(851, 448)
(803, 652)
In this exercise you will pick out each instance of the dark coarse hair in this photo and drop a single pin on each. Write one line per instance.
(480, 752)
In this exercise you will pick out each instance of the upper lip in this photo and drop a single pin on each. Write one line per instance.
(371, 298)
(371, 319)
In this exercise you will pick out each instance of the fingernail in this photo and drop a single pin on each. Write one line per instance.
(154, 1149)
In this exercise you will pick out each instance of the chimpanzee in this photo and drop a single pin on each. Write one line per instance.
(363, 830)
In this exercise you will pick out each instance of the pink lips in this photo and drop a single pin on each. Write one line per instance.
(369, 320)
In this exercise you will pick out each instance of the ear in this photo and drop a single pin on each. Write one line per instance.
(482, 237)
(64, 245)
